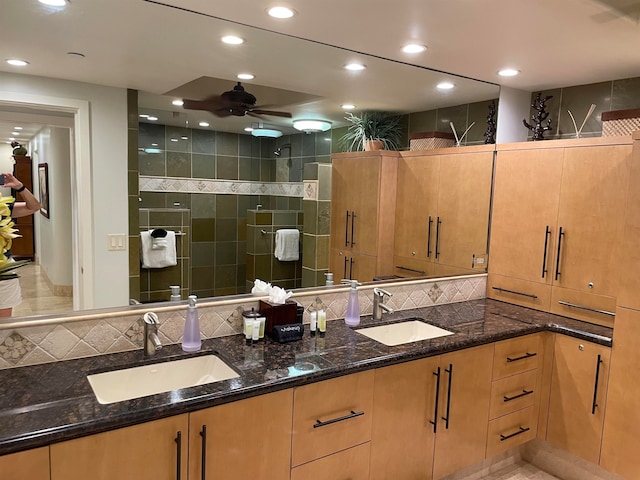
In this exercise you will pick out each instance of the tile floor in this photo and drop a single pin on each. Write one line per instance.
(37, 298)
(520, 471)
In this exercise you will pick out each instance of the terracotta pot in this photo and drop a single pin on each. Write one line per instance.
(370, 145)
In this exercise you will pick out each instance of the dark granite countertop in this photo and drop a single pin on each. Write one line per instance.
(52, 402)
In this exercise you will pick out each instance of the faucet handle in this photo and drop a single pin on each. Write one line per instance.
(380, 292)
(151, 318)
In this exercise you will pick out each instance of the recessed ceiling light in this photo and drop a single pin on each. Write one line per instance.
(281, 12)
(17, 62)
(232, 40)
(414, 48)
(348, 106)
(246, 76)
(184, 137)
(143, 115)
(154, 144)
(17, 128)
(152, 118)
(54, 3)
(204, 124)
(11, 139)
(508, 72)
(248, 129)
(15, 133)
(445, 86)
(174, 139)
(177, 103)
(355, 67)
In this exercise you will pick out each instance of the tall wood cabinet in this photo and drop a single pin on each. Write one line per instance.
(363, 201)
(442, 211)
(23, 247)
(556, 224)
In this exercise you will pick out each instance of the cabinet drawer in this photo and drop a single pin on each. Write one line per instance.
(583, 306)
(331, 416)
(517, 355)
(511, 430)
(350, 464)
(519, 292)
(513, 393)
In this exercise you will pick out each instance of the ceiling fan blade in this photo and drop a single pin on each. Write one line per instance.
(270, 112)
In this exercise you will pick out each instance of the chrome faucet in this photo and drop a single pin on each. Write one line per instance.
(152, 342)
(378, 306)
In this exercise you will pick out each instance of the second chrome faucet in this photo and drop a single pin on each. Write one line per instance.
(378, 303)
(152, 342)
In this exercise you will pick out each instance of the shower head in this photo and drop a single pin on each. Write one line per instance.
(278, 150)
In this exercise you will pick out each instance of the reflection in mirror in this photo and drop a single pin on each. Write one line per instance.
(226, 192)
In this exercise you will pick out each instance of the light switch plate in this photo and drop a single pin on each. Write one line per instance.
(116, 242)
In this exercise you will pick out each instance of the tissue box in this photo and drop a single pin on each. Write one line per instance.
(278, 314)
(430, 140)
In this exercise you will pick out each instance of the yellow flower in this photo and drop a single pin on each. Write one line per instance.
(7, 232)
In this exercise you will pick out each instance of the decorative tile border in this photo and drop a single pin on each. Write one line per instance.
(65, 341)
(203, 185)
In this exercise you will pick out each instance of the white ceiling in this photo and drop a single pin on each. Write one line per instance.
(158, 49)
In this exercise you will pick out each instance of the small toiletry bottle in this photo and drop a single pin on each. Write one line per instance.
(352, 318)
(329, 281)
(175, 293)
(255, 333)
(191, 341)
(322, 321)
(313, 323)
(263, 321)
(248, 331)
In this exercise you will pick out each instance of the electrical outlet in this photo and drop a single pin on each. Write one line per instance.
(116, 242)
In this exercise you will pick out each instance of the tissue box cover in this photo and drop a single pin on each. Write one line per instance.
(278, 314)
(620, 122)
(430, 140)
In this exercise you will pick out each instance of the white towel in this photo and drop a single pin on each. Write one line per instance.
(287, 244)
(154, 257)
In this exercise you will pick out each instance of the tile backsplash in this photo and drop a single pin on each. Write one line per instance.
(111, 334)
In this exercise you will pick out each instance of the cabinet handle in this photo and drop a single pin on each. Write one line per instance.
(353, 414)
(351, 262)
(595, 388)
(346, 230)
(523, 394)
(446, 417)
(526, 355)
(345, 268)
(429, 237)
(178, 441)
(203, 459)
(353, 227)
(421, 272)
(582, 307)
(560, 235)
(547, 233)
(511, 435)
(434, 422)
(530, 295)
(438, 223)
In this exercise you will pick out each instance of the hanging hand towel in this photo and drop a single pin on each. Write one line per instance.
(154, 257)
(287, 244)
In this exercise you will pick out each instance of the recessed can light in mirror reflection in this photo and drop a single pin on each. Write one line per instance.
(248, 129)
(54, 3)
(281, 12)
(16, 62)
(184, 137)
(348, 106)
(232, 40)
(152, 118)
(204, 124)
(174, 139)
(15, 133)
(246, 76)
(355, 67)
(17, 128)
(445, 86)
(508, 72)
(414, 48)
(177, 103)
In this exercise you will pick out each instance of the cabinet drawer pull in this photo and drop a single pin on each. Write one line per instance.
(446, 417)
(178, 441)
(339, 419)
(429, 237)
(520, 395)
(435, 412)
(421, 272)
(526, 355)
(530, 295)
(582, 307)
(595, 388)
(544, 256)
(560, 235)
(511, 435)
(346, 230)
(203, 459)
(353, 227)
(438, 223)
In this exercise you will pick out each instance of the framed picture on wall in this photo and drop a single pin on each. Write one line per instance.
(43, 185)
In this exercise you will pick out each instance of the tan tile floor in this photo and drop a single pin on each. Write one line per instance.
(37, 298)
(520, 471)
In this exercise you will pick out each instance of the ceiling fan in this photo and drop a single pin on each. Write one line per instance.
(236, 102)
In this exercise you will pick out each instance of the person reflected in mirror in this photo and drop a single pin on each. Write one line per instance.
(26, 204)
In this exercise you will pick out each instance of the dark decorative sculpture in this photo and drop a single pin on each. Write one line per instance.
(490, 132)
(539, 105)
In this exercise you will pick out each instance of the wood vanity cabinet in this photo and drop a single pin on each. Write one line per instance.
(248, 438)
(578, 394)
(442, 210)
(27, 465)
(556, 226)
(363, 199)
(154, 450)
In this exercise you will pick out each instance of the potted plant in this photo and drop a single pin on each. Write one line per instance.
(372, 130)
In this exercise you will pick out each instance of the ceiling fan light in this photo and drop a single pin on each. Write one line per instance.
(311, 125)
(266, 132)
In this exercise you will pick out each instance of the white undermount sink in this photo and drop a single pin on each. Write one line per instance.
(126, 384)
(403, 332)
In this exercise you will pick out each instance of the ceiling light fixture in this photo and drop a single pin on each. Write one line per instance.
(54, 3)
(248, 129)
(309, 126)
(177, 103)
(246, 76)
(281, 12)
(17, 128)
(204, 124)
(445, 86)
(266, 132)
(152, 118)
(16, 62)
(355, 67)
(348, 106)
(414, 48)
(232, 40)
(508, 72)
(15, 133)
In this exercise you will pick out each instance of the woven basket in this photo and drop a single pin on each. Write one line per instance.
(620, 122)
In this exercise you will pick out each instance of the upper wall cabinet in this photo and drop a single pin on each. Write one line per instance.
(442, 211)
(558, 215)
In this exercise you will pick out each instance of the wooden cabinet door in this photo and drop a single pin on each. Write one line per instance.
(578, 392)
(148, 451)
(353, 266)
(524, 215)
(620, 441)
(464, 193)
(341, 204)
(465, 392)
(404, 408)
(27, 465)
(416, 207)
(591, 215)
(245, 439)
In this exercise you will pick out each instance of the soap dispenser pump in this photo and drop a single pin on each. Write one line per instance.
(191, 341)
(352, 318)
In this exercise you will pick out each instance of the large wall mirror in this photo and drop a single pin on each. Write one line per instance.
(204, 176)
